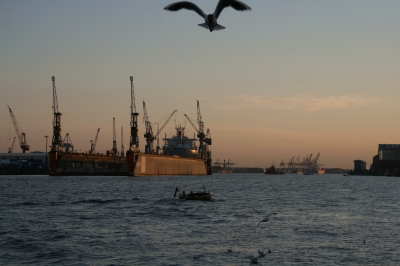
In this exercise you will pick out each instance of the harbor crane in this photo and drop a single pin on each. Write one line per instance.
(12, 146)
(57, 142)
(204, 139)
(94, 142)
(202, 149)
(21, 136)
(134, 138)
(67, 144)
(158, 140)
(150, 137)
(114, 147)
(149, 131)
(122, 142)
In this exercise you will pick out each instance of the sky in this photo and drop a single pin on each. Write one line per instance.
(288, 78)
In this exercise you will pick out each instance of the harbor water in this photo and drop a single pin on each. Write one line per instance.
(320, 220)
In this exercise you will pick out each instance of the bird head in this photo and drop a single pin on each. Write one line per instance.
(210, 17)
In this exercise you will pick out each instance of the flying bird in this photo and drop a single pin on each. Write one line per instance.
(211, 19)
(265, 219)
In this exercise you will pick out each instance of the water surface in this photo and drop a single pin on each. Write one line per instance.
(321, 220)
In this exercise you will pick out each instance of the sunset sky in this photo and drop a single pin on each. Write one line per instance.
(288, 78)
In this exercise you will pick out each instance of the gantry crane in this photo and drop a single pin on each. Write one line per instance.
(21, 136)
(134, 138)
(12, 146)
(57, 142)
(94, 142)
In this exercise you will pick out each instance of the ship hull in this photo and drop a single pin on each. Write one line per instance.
(134, 164)
(321, 171)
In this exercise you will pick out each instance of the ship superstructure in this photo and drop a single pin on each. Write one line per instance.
(179, 144)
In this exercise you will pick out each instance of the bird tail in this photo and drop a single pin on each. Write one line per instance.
(204, 25)
(219, 27)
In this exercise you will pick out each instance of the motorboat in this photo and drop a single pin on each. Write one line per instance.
(204, 196)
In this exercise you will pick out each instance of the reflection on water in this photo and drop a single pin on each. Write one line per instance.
(321, 220)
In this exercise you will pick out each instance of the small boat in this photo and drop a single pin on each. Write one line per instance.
(205, 196)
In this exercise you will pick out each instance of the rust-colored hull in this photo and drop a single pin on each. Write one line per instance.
(134, 164)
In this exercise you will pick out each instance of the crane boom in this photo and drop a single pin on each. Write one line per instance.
(165, 123)
(20, 135)
(12, 146)
(191, 122)
(93, 146)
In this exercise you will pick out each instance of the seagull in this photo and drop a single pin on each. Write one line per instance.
(211, 19)
(253, 260)
(261, 254)
(265, 219)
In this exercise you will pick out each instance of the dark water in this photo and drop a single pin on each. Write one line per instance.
(321, 220)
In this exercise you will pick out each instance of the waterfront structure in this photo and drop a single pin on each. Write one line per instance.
(360, 167)
(135, 163)
(387, 161)
(33, 163)
(36, 159)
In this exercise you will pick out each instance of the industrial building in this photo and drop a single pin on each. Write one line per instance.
(360, 167)
(23, 163)
(387, 161)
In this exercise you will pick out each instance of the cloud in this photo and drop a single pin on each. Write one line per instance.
(302, 102)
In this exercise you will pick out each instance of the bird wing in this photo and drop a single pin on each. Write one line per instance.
(265, 219)
(257, 226)
(233, 3)
(185, 5)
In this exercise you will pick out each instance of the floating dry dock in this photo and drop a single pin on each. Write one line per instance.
(180, 156)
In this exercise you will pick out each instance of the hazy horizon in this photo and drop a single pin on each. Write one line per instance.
(288, 78)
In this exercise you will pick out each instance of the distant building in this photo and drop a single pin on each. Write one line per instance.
(32, 159)
(360, 167)
(387, 161)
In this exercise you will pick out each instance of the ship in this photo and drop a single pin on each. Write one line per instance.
(321, 170)
(180, 155)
